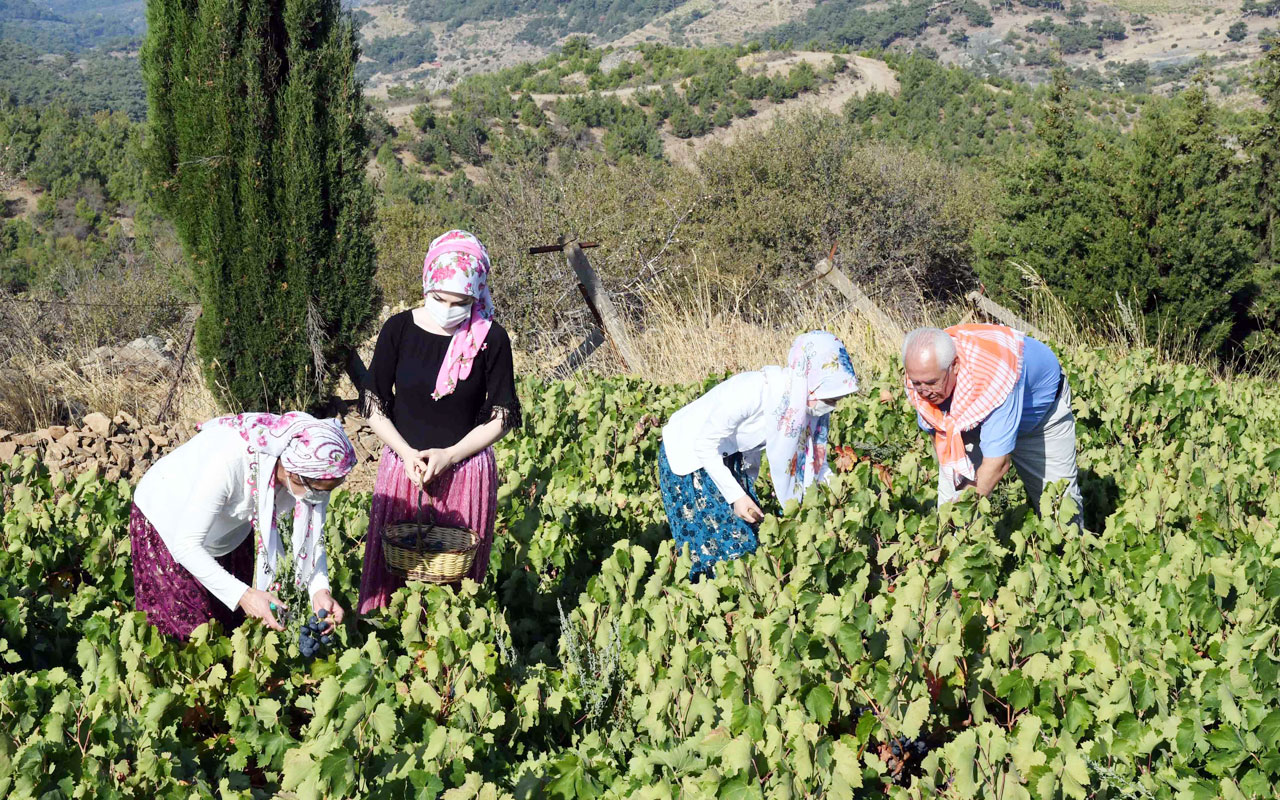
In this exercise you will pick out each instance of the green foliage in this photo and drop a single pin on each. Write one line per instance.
(1189, 213)
(1077, 37)
(1056, 215)
(258, 153)
(1266, 8)
(396, 53)
(87, 167)
(845, 23)
(1038, 661)
(977, 14)
(778, 200)
(952, 112)
(71, 27)
(1160, 222)
(550, 19)
(93, 80)
(1238, 31)
(1262, 141)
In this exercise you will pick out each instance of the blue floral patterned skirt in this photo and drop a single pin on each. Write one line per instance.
(702, 519)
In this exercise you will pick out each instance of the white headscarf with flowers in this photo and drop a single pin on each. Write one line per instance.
(306, 446)
(818, 367)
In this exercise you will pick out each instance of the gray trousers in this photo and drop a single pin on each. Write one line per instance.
(1042, 455)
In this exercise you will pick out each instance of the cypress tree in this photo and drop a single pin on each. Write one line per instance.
(257, 152)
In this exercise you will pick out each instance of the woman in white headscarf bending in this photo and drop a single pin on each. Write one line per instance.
(205, 513)
(711, 448)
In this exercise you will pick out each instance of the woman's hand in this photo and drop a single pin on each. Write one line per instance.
(259, 604)
(415, 466)
(324, 600)
(437, 461)
(745, 509)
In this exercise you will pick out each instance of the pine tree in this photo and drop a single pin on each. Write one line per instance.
(257, 152)
(1058, 216)
(1263, 147)
(1191, 213)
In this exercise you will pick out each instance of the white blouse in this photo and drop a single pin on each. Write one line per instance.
(197, 500)
(734, 417)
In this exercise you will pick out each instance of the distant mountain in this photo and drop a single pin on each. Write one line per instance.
(72, 26)
(1155, 42)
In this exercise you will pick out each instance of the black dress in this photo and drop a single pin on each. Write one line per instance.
(406, 361)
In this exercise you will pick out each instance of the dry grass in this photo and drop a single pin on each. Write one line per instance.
(681, 337)
(48, 374)
(684, 336)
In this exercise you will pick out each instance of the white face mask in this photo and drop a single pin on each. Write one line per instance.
(310, 496)
(821, 408)
(447, 316)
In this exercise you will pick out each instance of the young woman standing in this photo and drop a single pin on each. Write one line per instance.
(195, 509)
(712, 448)
(443, 394)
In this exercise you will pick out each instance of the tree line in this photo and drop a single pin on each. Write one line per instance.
(1173, 223)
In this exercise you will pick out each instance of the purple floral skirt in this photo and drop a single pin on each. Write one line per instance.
(175, 602)
(465, 496)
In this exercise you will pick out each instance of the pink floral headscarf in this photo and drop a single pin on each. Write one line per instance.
(456, 262)
(310, 447)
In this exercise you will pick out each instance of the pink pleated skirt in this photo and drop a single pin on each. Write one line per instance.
(465, 496)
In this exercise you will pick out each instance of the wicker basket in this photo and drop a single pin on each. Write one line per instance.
(418, 551)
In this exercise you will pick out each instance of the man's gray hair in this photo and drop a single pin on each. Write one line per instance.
(930, 340)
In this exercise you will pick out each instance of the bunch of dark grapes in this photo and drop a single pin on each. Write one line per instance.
(311, 635)
(903, 756)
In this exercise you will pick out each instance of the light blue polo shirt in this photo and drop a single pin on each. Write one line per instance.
(1032, 398)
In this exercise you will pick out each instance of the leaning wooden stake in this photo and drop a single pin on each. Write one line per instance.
(602, 309)
(828, 271)
(361, 379)
(996, 311)
(182, 365)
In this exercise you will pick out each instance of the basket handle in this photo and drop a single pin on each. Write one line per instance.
(417, 540)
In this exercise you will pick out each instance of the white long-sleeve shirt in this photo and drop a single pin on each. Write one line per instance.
(197, 500)
(734, 417)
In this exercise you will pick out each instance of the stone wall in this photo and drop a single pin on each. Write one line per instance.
(123, 447)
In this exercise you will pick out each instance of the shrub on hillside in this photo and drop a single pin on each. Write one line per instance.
(778, 200)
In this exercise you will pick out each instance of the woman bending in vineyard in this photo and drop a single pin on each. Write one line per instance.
(195, 509)
(443, 393)
(711, 448)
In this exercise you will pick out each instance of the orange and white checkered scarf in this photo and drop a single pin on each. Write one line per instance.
(989, 360)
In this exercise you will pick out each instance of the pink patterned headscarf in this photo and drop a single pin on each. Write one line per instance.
(456, 262)
(306, 446)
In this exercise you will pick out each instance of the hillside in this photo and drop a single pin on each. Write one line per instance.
(1124, 41)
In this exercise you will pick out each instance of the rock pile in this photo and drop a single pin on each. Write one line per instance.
(117, 447)
(122, 447)
(143, 358)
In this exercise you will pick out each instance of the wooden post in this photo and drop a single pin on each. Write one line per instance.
(579, 356)
(599, 302)
(360, 379)
(996, 311)
(182, 365)
(828, 271)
